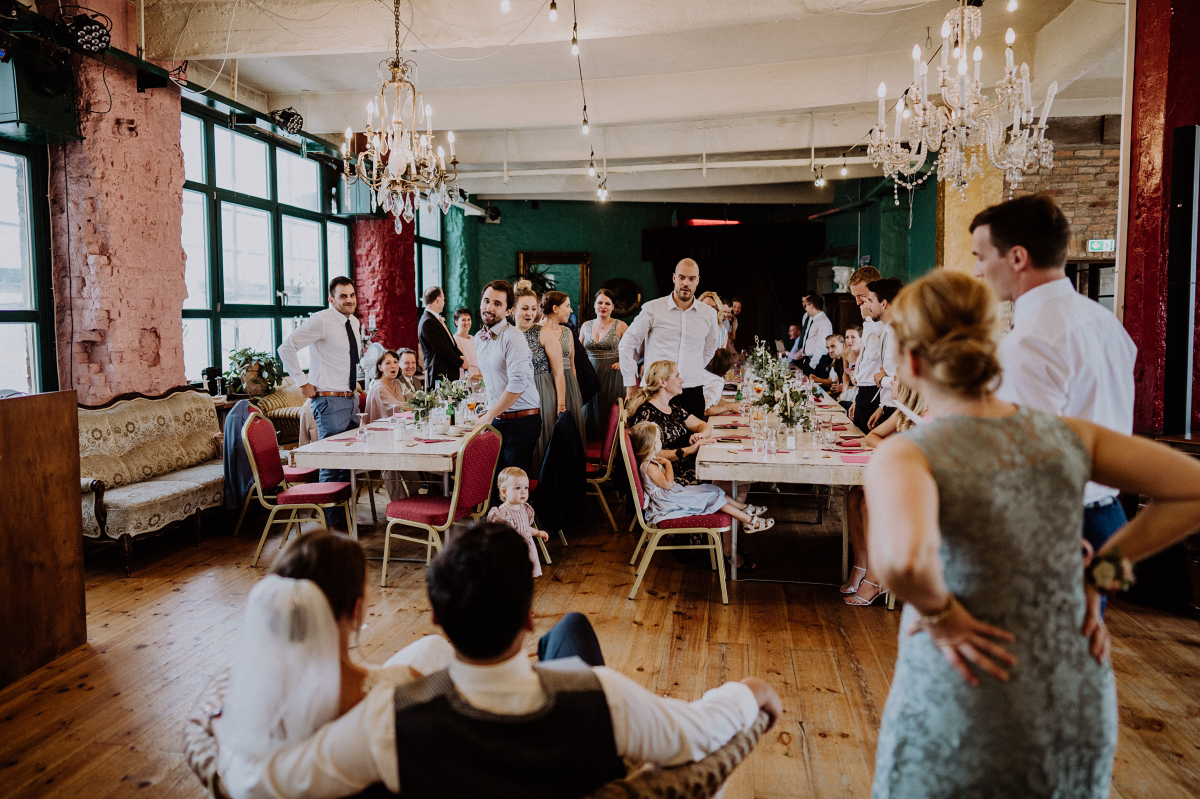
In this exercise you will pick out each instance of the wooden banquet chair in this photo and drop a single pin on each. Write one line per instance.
(710, 526)
(599, 474)
(262, 449)
(291, 476)
(474, 468)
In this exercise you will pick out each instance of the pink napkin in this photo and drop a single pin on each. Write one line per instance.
(850, 443)
(726, 438)
(777, 452)
(856, 458)
(840, 427)
(379, 429)
(433, 440)
(726, 426)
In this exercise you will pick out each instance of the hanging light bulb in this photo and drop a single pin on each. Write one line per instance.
(1012, 5)
(553, 11)
(844, 171)
(505, 6)
(585, 122)
(592, 169)
(575, 39)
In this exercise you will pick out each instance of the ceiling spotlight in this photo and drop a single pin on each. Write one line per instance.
(287, 118)
(1012, 5)
(553, 11)
(505, 6)
(90, 33)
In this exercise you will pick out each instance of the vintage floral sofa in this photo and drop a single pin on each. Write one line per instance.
(145, 462)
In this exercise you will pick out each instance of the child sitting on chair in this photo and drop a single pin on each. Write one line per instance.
(514, 511)
(666, 499)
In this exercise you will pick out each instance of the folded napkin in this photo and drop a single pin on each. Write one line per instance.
(379, 429)
(840, 427)
(732, 438)
(726, 426)
(777, 452)
(855, 444)
(433, 440)
(856, 459)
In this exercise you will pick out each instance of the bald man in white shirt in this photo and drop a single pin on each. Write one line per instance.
(1066, 354)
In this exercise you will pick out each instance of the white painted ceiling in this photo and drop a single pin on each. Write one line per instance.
(669, 83)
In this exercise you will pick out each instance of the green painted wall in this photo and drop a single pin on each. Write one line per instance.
(882, 230)
(478, 252)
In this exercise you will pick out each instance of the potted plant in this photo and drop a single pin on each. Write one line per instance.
(253, 372)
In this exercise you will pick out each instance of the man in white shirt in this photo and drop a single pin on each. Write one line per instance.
(335, 346)
(796, 353)
(880, 296)
(674, 328)
(819, 329)
(866, 398)
(1066, 354)
(490, 722)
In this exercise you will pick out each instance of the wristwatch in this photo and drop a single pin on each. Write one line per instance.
(679, 453)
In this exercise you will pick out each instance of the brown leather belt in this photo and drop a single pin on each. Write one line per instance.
(519, 414)
(334, 394)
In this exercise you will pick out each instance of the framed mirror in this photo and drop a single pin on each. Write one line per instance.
(568, 272)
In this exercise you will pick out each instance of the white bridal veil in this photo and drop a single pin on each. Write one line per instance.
(286, 678)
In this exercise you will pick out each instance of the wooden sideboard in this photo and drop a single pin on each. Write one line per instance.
(41, 532)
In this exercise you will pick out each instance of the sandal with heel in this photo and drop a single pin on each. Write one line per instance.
(853, 590)
(862, 602)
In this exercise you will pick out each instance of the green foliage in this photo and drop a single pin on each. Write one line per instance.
(246, 360)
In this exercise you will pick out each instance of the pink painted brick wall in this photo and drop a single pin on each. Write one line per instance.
(116, 199)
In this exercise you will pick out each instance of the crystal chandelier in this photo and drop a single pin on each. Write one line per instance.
(400, 164)
(964, 122)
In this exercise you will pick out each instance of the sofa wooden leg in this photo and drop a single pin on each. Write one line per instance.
(127, 554)
(196, 529)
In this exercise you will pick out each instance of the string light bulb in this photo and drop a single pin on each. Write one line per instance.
(844, 170)
(553, 11)
(505, 6)
(585, 121)
(1012, 5)
(575, 39)
(592, 168)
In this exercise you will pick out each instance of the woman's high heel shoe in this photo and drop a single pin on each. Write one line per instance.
(861, 602)
(854, 590)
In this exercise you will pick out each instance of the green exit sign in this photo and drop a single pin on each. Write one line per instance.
(1101, 245)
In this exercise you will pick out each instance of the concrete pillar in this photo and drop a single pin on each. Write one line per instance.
(1166, 72)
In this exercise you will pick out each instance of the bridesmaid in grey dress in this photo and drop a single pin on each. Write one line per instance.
(1002, 687)
(556, 309)
(600, 337)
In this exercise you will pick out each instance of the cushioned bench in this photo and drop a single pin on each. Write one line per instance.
(145, 462)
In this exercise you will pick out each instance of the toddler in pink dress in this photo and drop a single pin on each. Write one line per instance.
(514, 511)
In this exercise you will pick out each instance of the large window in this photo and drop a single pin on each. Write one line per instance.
(260, 239)
(429, 251)
(26, 308)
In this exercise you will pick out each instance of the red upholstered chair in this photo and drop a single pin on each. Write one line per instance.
(262, 448)
(474, 469)
(710, 526)
(600, 473)
(291, 476)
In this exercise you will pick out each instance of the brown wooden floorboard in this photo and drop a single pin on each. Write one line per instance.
(104, 720)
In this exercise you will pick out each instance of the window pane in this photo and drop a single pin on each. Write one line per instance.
(16, 262)
(337, 240)
(431, 266)
(195, 247)
(236, 334)
(241, 162)
(191, 140)
(197, 349)
(302, 261)
(299, 183)
(290, 324)
(246, 246)
(429, 222)
(18, 358)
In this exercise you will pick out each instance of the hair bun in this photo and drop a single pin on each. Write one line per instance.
(964, 361)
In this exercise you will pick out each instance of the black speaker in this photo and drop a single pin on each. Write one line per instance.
(37, 99)
(1181, 280)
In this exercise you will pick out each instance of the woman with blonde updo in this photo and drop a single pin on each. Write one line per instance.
(682, 433)
(1002, 685)
(713, 300)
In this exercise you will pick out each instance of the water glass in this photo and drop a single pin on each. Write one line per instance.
(828, 434)
(771, 442)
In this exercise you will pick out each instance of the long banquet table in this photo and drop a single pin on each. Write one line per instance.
(806, 464)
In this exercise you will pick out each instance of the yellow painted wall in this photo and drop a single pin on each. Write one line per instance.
(955, 214)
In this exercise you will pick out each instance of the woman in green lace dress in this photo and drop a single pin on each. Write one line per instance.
(1003, 686)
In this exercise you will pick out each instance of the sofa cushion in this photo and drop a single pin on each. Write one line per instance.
(210, 474)
(144, 507)
(285, 397)
(194, 426)
(97, 459)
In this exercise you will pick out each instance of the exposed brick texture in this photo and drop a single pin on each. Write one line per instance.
(1084, 184)
(116, 199)
(384, 264)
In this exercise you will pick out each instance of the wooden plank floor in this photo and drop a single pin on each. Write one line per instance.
(105, 719)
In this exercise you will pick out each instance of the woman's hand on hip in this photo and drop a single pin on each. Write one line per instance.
(964, 639)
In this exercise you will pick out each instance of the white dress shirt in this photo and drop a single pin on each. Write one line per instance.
(507, 365)
(870, 354)
(814, 340)
(887, 358)
(358, 749)
(668, 333)
(1069, 356)
(324, 333)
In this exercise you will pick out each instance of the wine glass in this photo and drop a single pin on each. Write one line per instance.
(828, 434)
(361, 433)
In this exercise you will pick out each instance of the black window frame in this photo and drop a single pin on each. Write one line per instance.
(42, 314)
(278, 310)
(419, 244)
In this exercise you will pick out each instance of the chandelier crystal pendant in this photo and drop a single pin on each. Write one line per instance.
(401, 165)
(964, 123)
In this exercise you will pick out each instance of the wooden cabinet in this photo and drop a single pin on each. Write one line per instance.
(41, 532)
